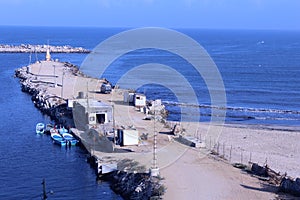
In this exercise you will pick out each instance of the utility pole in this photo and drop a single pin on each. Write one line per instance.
(44, 190)
(44, 197)
(62, 85)
(155, 169)
(113, 112)
(54, 76)
(87, 96)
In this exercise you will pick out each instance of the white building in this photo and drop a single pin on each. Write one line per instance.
(92, 112)
(139, 100)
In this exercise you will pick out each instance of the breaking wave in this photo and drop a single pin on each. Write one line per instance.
(241, 113)
(242, 109)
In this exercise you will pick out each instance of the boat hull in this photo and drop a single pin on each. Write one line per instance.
(60, 142)
(40, 128)
(65, 139)
(70, 140)
(58, 139)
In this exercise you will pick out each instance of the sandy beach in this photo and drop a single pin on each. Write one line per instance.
(196, 176)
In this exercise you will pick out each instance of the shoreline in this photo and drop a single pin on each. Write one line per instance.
(274, 145)
(270, 127)
(238, 137)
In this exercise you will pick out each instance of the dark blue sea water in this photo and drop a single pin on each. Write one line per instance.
(260, 70)
(27, 158)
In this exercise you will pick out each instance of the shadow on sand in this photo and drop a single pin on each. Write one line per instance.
(272, 189)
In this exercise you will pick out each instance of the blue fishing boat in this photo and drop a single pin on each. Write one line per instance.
(57, 138)
(69, 138)
(63, 130)
(40, 128)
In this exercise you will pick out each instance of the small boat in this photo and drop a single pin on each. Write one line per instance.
(63, 130)
(72, 142)
(40, 128)
(69, 138)
(53, 130)
(49, 127)
(57, 138)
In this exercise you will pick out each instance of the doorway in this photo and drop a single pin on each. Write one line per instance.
(100, 118)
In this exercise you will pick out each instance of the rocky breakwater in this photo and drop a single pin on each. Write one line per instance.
(27, 48)
(45, 88)
(132, 185)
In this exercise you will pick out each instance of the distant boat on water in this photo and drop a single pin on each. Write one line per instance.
(261, 42)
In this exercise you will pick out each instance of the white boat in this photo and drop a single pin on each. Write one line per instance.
(48, 127)
(40, 128)
(53, 130)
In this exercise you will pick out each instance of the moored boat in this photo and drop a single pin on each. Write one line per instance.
(40, 128)
(70, 140)
(57, 138)
(48, 128)
(63, 130)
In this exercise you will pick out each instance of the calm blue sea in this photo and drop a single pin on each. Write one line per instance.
(27, 158)
(260, 69)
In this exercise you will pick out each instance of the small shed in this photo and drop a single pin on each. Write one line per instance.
(139, 100)
(92, 112)
(128, 97)
(127, 137)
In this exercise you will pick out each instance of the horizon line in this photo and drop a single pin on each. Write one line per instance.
(132, 27)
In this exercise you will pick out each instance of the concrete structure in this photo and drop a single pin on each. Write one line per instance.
(127, 137)
(139, 100)
(191, 141)
(94, 113)
(105, 168)
(128, 97)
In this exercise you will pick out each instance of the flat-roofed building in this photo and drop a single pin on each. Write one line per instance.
(94, 113)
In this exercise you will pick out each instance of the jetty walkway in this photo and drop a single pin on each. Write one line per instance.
(53, 83)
